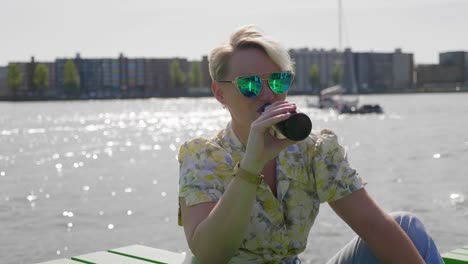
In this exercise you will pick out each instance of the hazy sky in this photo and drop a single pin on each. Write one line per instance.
(152, 28)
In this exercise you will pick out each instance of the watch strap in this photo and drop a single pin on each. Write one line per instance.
(247, 176)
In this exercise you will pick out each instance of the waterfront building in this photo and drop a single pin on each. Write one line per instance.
(136, 77)
(158, 80)
(23, 89)
(403, 71)
(157, 77)
(28, 88)
(435, 76)
(90, 71)
(203, 87)
(4, 89)
(28, 77)
(82, 68)
(59, 81)
(360, 72)
(458, 59)
(182, 90)
(372, 72)
(91, 75)
(451, 74)
(205, 72)
(51, 90)
(110, 78)
(305, 59)
(132, 76)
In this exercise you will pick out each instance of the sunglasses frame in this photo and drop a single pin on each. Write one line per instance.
(261, 79)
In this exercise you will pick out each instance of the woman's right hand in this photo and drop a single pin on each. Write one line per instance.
(261, 145)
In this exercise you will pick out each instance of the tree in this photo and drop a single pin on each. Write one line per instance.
(195, 74)
(41, 77)
(336, 74)
(71, 79)
(177, 77)
(314, 77)
(14, 78)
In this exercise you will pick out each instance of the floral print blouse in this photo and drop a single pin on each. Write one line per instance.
(310, 172)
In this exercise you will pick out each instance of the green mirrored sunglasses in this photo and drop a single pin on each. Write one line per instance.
(250, 86)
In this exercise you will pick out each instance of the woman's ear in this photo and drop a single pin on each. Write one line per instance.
(217, 92)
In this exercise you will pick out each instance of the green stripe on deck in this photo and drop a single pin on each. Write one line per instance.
(149, 254)
(134, 254)
(105, 257)
(135, 257)
(82, 261)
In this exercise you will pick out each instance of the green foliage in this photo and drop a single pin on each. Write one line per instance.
(195, 74)
(177, 75)
(336, 74)
(41, 76)
(14, 77)
(71, 79)
(314, 76)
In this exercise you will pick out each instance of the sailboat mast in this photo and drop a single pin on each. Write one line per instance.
(339, 25)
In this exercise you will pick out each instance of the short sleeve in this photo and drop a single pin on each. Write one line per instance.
(334, 176)
(204, 169)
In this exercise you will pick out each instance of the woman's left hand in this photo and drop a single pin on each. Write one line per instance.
(261, 145)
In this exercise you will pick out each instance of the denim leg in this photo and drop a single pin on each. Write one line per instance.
(357, 251)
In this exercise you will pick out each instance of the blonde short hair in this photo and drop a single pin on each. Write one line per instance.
(248, 36)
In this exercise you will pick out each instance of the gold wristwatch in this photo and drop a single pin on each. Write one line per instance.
(247, 176)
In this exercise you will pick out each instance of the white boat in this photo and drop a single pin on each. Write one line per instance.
(332, 97)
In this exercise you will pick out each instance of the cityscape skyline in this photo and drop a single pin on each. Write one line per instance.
(50, 29)
(126, 77)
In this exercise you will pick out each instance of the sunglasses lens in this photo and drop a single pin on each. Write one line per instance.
(280, 82)
(249, 86)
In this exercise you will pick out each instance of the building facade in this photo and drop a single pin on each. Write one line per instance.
(458, 59)
(205, 72)
(131, 76)
(4, 89)
(451, 74)
(90, 71)
(28, 88)
(371, 72)
(305, 59)
(157, 77)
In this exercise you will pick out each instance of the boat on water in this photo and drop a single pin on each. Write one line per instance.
(332, 98)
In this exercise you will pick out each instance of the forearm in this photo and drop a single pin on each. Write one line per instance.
(218, 237)
(391, 244)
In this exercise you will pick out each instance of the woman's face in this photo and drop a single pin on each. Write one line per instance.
(244, 110)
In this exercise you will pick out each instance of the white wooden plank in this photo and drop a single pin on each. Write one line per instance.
(104, 257)
(150, 253)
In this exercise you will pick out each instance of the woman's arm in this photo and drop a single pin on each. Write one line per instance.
(380, 231)
(214, 231)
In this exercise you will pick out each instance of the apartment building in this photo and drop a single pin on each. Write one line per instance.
(305, 59)
(451, 74)
(4, 89)
(377, 72)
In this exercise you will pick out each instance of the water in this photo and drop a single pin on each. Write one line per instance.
(80, 177)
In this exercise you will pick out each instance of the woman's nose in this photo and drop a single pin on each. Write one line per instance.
(266, 93)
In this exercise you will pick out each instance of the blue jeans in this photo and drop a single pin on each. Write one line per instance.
(357, 251)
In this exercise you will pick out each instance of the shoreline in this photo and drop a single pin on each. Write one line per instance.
(205, 95)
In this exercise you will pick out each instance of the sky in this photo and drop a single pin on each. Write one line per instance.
(49, 29)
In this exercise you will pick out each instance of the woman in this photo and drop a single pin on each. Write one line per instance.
(247, 196)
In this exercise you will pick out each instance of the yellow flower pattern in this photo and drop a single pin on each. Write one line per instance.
(310, 172)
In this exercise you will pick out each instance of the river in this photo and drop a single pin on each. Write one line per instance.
(83, 176)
